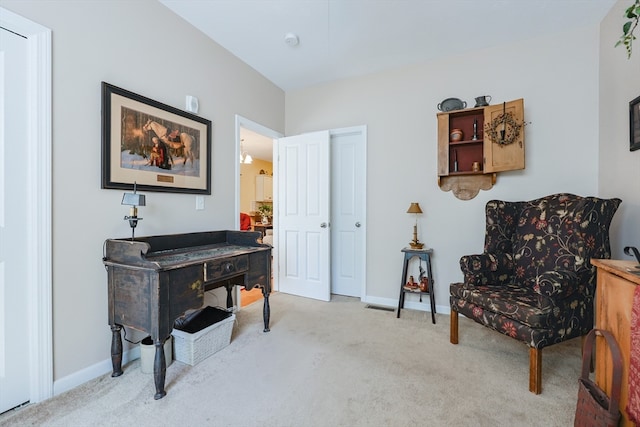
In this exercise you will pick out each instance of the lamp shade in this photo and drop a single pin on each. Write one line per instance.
(133, 199)
(414, 208)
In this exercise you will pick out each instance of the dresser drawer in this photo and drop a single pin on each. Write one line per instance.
(228, 267)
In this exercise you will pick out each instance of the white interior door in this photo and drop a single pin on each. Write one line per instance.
(303, 215)
(348, 205)
(14, 343)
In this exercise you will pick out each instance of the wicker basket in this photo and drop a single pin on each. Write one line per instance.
(193, 348)
(595, 408)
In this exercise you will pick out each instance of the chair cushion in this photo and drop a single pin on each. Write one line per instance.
(567, 326)
(520, 303)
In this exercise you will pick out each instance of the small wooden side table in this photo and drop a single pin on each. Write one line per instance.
(424, 255)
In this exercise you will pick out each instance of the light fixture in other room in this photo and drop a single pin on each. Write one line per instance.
(414, 208)
(244, 156)
(134, 200)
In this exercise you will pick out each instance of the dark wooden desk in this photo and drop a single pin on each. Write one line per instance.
(154, 280)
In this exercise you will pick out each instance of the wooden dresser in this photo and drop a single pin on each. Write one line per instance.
(614, 300)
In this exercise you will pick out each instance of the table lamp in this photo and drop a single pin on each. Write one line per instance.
(414, 208)
(134, 200)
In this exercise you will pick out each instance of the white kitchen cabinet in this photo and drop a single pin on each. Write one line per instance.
(264, 188)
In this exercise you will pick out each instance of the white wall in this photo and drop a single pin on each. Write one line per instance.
(143, 47)
(619, 168)
(557, 77)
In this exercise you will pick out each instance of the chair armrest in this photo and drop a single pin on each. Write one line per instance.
(556, 283)
(486, 268)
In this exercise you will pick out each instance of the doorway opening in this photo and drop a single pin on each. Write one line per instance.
(348, 212)
(255, 191)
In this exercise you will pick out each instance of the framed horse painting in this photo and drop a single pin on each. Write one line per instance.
(156, 146)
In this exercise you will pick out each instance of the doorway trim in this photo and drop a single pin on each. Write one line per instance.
(243, 122)
(39, 206)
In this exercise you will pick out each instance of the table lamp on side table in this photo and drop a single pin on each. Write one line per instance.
(414, 208)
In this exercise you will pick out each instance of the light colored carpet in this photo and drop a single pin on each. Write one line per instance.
(334, 364)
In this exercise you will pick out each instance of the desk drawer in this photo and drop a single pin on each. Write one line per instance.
(228, 267)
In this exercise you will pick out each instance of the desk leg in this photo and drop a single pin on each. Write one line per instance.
(229, 294)
(116, 350)
(159, 370)
(266, 310)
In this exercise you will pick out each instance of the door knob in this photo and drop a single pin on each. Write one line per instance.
(358, 224)
(323, 225)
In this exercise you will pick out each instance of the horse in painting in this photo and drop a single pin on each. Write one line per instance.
(174, 140)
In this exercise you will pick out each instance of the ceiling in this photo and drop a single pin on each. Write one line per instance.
(348, 38)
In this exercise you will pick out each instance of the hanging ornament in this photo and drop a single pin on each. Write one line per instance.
(504, 129)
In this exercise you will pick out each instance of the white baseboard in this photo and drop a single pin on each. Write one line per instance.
(87, 374)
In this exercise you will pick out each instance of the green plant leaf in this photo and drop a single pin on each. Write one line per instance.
(633, 13)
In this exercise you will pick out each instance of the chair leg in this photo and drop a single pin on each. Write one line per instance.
(535, 370)
(453, 332)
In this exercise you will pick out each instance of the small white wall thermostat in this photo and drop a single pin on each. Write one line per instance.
(192, 104)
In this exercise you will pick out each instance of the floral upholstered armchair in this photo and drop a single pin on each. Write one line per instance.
(534, 282)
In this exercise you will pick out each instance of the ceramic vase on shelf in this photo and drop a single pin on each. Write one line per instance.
(456, 135)
(424, 284)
